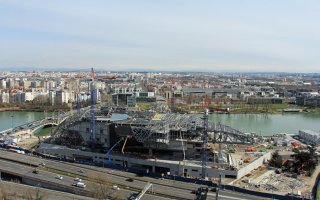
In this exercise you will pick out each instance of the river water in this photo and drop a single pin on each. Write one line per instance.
(259, 123)
(269, 124)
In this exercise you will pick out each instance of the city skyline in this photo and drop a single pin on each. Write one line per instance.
(167, 35)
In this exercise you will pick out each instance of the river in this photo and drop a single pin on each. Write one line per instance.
(259, 123)
(269, 124)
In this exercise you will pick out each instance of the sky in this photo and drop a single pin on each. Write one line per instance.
(179, 35)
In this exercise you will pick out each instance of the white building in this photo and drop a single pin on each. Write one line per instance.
(3, 84)
(5, 97)
(49, 85)
(52, 97)
(310, 136)
(27, 96)
(62, 97)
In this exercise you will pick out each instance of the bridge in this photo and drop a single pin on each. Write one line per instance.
(32, 127)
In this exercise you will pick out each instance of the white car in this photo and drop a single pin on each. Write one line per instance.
(59, 177)
(115, 187)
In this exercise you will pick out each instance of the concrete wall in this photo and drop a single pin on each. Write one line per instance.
(254, 165)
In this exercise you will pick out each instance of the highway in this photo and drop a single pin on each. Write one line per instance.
(168, 189)
(25, 191)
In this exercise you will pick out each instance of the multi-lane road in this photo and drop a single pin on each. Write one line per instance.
(129, 183)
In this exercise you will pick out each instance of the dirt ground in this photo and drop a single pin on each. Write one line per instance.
(29, 143)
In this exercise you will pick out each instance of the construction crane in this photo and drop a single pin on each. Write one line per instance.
(204, 142)
(92, 114)
(125, 142)
(108, 153)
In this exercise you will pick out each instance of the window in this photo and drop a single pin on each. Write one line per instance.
(194, 170)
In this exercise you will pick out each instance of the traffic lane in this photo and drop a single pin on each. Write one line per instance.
(170, 183)
(26, 171)
(23, 190)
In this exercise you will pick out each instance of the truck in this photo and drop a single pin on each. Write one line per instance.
(79, 184)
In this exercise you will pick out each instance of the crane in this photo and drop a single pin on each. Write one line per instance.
(204, 142)
(108, 153)
(125, 142)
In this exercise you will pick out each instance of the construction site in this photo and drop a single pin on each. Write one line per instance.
(166, 143)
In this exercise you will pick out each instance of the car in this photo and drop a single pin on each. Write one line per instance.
(59, 177)
(35, 171)
(115, 187)
(42, 164)
(129, 179)
(81, 171)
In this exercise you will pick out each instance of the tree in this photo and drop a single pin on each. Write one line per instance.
(101, 190)
(276, 160)
(307, 160)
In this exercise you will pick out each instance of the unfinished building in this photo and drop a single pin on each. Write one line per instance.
(158, 142)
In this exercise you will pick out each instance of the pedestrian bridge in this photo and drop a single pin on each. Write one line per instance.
(32, 127)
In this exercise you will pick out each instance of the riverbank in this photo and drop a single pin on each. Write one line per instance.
(21, 109)
(250, 109)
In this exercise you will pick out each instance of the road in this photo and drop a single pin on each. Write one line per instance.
(26, 191)
(175, 189)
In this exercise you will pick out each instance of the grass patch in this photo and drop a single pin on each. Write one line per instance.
(44, 132)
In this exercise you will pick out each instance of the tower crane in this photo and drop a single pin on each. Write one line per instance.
(204, 142)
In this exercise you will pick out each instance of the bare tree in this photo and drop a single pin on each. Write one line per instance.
(101, 189)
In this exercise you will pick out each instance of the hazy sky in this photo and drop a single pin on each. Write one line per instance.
(260, 35)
